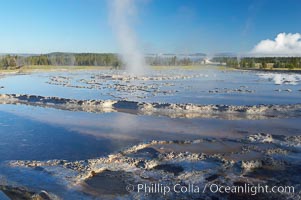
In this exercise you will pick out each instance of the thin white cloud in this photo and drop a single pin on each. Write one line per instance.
(285, 44)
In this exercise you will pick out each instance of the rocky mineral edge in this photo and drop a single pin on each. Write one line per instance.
(259, 158)
(158, 109)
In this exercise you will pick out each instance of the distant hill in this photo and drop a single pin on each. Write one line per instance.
(70, 53)
(226, 54)
(176, 54)
(19, 54)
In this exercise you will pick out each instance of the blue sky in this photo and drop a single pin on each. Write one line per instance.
(162, 26)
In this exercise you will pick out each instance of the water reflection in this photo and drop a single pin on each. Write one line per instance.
(40, 133)
(212, 86)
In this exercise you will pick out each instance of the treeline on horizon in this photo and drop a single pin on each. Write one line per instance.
(86, 59)
(260, 62)
(113, 60)
(59, 59)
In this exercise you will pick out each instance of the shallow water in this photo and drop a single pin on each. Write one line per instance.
(46, 133)
(199, 90)
(38, 133)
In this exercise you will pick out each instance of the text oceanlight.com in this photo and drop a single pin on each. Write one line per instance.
(212, 188)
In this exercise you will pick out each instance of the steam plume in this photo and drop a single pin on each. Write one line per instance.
(122, 14)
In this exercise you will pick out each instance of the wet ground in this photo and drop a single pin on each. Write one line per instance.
(169, 127)
(204, 86)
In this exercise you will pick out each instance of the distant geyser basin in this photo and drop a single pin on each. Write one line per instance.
(69, 130)
(206, 86)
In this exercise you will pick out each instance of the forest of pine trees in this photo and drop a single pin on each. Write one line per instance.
(112, 60)
(87, 59)
(60, 59)
(261, 62)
